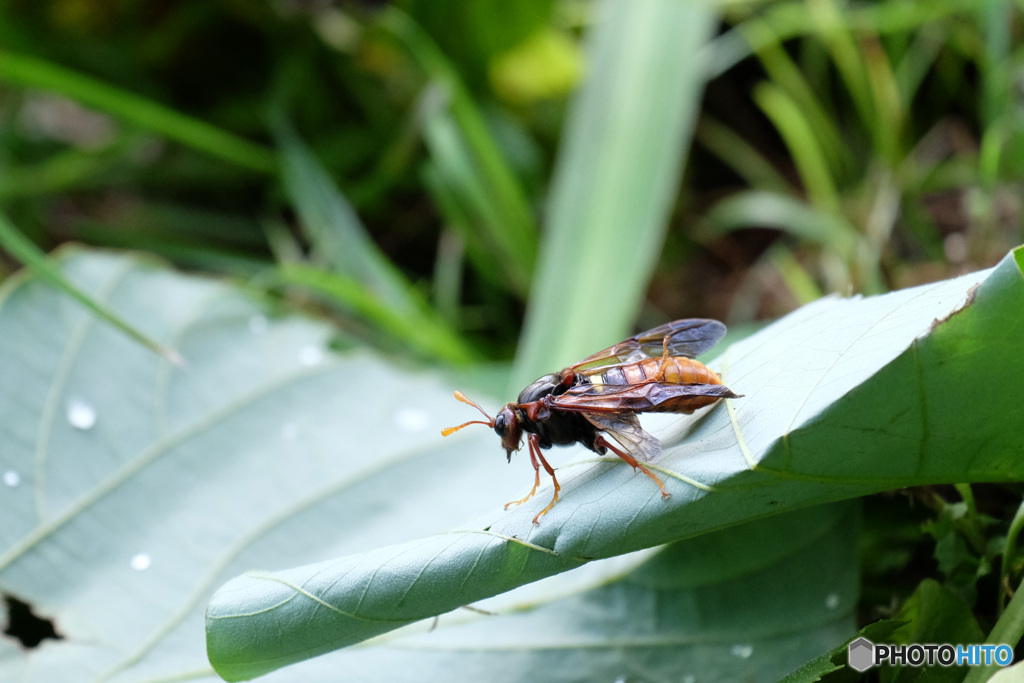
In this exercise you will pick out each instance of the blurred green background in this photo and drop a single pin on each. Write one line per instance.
(463, 182)
(837, 148)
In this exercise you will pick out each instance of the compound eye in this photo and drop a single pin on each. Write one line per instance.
(501, 425)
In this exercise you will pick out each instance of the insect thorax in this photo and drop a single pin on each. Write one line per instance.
(556, 427)
(547, 385)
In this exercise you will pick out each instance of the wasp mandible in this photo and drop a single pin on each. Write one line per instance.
(653, 372)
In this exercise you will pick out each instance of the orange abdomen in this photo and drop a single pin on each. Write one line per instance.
(674, 370)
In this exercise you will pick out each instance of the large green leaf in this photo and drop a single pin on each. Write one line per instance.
(30, 255)
(132, 488)
(749, 603)
(842, 398)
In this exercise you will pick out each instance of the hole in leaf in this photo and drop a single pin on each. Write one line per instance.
(22, 624)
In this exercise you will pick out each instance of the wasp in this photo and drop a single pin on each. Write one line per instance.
(653, 372)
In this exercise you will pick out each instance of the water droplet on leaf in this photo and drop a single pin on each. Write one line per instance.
(310, 355)
(81, 415)
(141, 562)
(742, 651)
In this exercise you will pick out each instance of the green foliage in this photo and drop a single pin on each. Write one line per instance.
(254, 454)
(26, 70)
(619, 165)
(467, 168)
(194, 473)
(356, 274)
(861, 369)
(831, 666)
(867, 106)
(29, 254)
(960, 547)
(679, 613)
(434, 176)
(933, 614)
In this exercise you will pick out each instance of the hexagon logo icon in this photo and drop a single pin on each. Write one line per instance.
(861, 654)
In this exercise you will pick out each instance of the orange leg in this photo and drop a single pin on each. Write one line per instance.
(664, 361)
(537, 459)
(633, 462)
(536, 478)
(551, 471)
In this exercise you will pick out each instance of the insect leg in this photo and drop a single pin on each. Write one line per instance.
(535, 445)
(664, 359)
(536, 478)
(630, 460)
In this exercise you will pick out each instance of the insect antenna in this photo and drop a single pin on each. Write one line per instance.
(459, 396)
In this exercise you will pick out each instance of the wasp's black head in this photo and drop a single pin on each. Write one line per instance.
(508, 426)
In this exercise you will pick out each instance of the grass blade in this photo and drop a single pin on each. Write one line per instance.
(810, 157)
(625, 140)
(30, 255)
(37, 73)
(506, 216)
(367, 282)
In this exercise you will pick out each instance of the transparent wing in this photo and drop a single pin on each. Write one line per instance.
(689, 337)
(625, 428)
